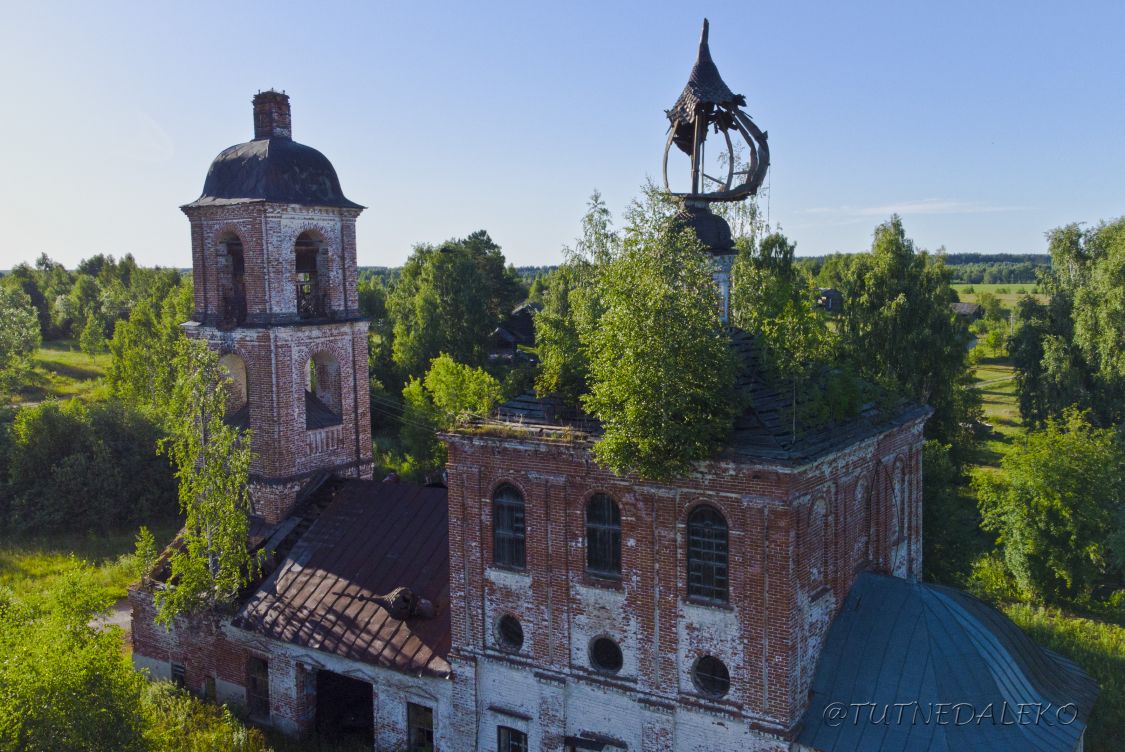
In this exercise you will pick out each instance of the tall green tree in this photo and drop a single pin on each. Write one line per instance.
(1059, 508)
(19, 338)
(661, 368)
(144, 348)
(571, 306)
(899, 330)
(449, 299)
(1068, 350)
(212, 561)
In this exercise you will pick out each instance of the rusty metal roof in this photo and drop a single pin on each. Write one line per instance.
(372, 538)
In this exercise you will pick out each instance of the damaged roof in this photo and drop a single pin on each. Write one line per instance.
(371, 539)
(278, 170)
(900, 642)
(763, 431)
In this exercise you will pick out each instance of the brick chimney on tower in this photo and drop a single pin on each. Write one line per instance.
(271, 115)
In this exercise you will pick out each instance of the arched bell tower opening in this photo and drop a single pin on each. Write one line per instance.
(238, 390)
(323, 400)
(312, 274)
(231, 263)
(274, 262)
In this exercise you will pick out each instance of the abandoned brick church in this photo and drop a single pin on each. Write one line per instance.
(537, 601)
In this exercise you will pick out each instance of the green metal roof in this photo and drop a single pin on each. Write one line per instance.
(927, 649)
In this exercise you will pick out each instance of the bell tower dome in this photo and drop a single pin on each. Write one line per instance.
(274, 267)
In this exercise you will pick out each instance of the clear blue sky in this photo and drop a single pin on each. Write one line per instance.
(983, 124)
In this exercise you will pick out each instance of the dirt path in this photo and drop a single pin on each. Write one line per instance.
(121, 615)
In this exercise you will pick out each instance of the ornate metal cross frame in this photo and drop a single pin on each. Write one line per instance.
(707, 105)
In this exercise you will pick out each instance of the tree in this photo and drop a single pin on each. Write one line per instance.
(449, 299)
(19, 337)
(571, 307)
(144, 347)
(661, 368)
(64, 684)
(1067, 351)
(1059, 508)
(772, 299)
(450, 393)
(899, 330)
(211, 561)
(78, 467)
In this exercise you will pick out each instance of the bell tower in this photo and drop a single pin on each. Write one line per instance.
(274, 267)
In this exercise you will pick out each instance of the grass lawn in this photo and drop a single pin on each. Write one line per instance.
(61, 370)
(29, 565)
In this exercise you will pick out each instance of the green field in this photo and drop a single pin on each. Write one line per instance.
(1007, 293)
(61, 370)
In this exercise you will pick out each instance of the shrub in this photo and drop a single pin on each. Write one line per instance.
(76, 467)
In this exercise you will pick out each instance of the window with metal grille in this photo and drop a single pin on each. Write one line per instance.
(707, 555)
(258, 688)
(603, 537)
(179, 675)
(420, 727)
(510, 740)
(711, 676)
(508, 544)
(605, 655)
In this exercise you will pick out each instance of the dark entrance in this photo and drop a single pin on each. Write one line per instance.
(344, 710)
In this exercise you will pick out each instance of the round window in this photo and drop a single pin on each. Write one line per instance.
(711, 676)
(605, 655)
(509, 632)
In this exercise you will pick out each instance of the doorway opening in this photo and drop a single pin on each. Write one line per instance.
(344, 709)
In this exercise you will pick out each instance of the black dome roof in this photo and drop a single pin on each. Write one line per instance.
(273, 169)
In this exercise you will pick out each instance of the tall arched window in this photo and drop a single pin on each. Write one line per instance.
(707, 555)
(508, 544)
(603, 537)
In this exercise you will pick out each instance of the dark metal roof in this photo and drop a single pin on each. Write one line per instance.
(967, 309)
(273, 169)
(518, 327)
(764, 431)
(896, 641)
(372, 538)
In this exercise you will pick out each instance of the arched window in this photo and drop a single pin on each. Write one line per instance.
(508, 544)
(323, 402)
(231, 264)
(238, 394)
(311, 302)
(707, 555)
(603, 537)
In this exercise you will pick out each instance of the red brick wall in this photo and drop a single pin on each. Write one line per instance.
(797, 538)
(276, 345)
